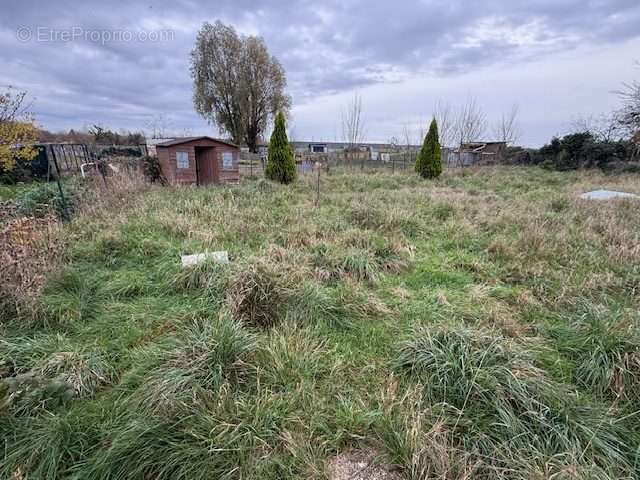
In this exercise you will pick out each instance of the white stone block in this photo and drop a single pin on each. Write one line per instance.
(606, 195)
(198, 258)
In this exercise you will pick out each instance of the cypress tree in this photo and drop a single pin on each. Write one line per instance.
(429, 163)
(281, 165)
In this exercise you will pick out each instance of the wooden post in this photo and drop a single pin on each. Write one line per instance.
(318, 166)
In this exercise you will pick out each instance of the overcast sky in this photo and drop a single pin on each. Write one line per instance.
(118, 64)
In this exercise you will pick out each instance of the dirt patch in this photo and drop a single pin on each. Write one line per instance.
(358, 465)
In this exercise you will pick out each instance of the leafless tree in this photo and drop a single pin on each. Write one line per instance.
(470, 122)
(605, 127)
(352, 122)
(353, 125)
(444, 115)
(421, 131)
(629, 115)
(14, 105)
(407, 136)
(508, 129)
(238, 85)
(159, 126)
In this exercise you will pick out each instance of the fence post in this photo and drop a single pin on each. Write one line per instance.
(317, 165)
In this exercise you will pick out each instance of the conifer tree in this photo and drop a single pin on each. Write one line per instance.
(429, 163)
(281, 165)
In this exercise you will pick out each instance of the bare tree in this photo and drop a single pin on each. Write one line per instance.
(352, 122)
(629, 115)
(158, 126)
(407, 141)
(605, 127)
(508, 129)
(238, 86)
(444, 115)
(470, 122)
(407, 136)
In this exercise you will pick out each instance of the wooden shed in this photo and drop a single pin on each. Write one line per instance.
(199, 161)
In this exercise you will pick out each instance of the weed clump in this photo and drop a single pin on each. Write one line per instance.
(209, 358)
(33, 384)
(255, 294)
(605, 348)
(84, 372)
(290, 358)
(359, 258)
(210, 277)
(29, 393)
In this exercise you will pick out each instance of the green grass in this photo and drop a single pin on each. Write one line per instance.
(482, 325)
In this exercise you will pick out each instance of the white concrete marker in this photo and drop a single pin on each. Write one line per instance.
(606, 195)
(198, 258)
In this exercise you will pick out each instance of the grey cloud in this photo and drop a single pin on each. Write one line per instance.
(326, 47)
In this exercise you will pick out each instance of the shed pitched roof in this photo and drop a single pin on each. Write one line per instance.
(181, 140)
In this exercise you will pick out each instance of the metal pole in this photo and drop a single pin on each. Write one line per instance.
(65, 212)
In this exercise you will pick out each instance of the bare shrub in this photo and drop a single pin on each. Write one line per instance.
(29, 249)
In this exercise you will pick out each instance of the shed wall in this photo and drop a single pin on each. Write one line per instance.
(189, 176)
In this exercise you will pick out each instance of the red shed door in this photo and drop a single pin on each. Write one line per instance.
(206, 165)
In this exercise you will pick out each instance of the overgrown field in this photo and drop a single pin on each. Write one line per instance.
(484, 325)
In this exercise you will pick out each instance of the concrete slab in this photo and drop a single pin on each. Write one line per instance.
(198, 258)
(606, 195)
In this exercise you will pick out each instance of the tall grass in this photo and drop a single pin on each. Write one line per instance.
(479, 326)
(508, 408)
(605, 348)
(208, 358)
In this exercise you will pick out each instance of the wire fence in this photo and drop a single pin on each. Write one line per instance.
(252, 165)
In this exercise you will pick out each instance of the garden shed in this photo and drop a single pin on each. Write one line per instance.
(199, 161)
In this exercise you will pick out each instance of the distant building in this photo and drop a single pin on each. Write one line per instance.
(377, 151)
(487, 148)
(473, 153)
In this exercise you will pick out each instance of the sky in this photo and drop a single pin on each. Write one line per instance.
(125, 65)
